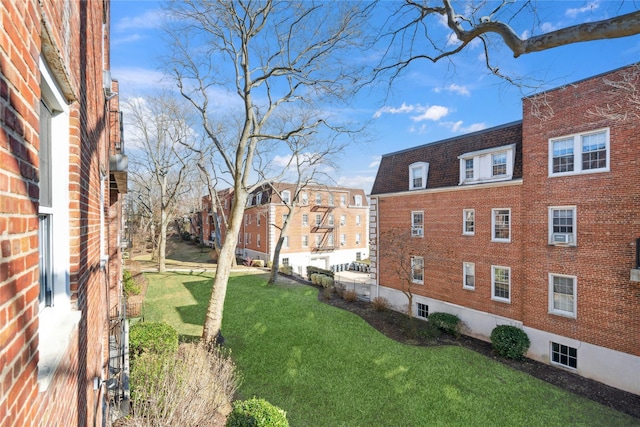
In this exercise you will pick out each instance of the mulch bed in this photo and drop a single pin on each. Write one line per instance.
(396, 326)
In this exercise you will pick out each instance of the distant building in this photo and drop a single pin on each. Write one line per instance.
(535, 224)
(62, 180)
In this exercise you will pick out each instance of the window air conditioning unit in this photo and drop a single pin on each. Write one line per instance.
(416, 231)
(562, 238)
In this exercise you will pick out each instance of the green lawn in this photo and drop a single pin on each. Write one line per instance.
(327, 367)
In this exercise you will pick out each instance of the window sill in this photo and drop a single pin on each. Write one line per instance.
(55, 330)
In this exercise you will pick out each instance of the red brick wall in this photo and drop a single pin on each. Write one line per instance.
(608, 213)
(76, 30)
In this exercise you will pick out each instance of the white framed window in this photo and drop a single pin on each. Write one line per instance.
(563, 225)
(304, 198)
(318, 220)
(491, 164)
(564, 355)
(258, 219)
(332, 199)
(246, 238)
(286, 197)
(258, 240)
(318, 198)
(305, 219)
(358, 256)
(305, 240)
(498, 165)
(562, 295)
(330, 220)
(469, 169)
(579, 153)
(343, 200)
(343, 239)
(468, 222)
(318, 240)
(246, 219)
(343, 220)
(357, 200)
(468, 275)
(422, 310)
(501, 225)
(501, 283)
(285, 262)
(417, 223)
(259, 198)
(417, 269)
(357, 238)
(357, 219)
(418, 173)
(330, 241)
(285, 242)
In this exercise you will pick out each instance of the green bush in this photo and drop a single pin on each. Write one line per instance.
(314, 278)
(154, 337)
(269, 264)
(286, 270)
(446, 322)
(256, 413)
(129, 286)
(186, 236)
(326, 281)
(510, 342)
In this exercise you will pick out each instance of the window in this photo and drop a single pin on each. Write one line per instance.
(331, 199)
(499, 164)
(469, 275)
(318, 220)
(258, 219)
(246, 220)
(422, 310)
(562, 225)
(258, 240)
(501, 225)
(469, 221)
(304, 197)
(592, 146)
(357, 219)
(343, 220)
(564, 355)
(417, 224)
(330, 220)
(562, 295)
(343, 200)
(305, 219)
(343, 239)
(357, 238)
(330, 240)
(501, 283)
(285, 242)
(418, 175)
(318, 240)
(468, 169)
(417, 269)
(358, 256)
(259, 199)
(357, 200)
(305, 240)
(285, 262)
(318, 199)
(491, 164)
(246, 238)
(286, 197)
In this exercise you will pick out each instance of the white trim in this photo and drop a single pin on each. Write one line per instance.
(483, 165)
(571, 314)
(493, 226)
(423, 169)
(563, 239)
(464, 276)
(484, 185)
(493, 283)
(464, 222)
(413, 279)
(417, 230)
(577, 153)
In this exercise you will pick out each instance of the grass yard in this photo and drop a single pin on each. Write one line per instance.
(327, 367)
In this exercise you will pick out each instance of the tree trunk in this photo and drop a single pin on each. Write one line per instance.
(162, 242)
(275, 265)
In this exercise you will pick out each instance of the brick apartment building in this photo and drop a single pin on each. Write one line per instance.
(329, 225)
(62, 179)
(533, 223)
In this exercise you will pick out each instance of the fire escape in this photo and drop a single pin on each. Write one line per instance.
(324, 227)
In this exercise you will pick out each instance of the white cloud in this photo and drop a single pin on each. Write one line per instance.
(420, 130)
(152, 18)
(458, 127)
(573, 12)
(547, 27)
(434, 112)
(375, 162)
(357, 181)
(404, 108)
(460, 90)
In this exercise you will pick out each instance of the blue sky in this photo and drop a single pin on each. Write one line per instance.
(428, 102)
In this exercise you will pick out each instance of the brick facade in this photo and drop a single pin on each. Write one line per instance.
(51, 353)
(602, 321)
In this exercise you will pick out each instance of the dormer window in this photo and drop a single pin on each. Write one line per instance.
(493, 164)
(418, 175)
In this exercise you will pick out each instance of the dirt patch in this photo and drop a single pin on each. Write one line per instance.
(396, 326)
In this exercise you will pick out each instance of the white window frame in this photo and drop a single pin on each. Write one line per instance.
(332, 199)
(563, 350)
(357, 219)
(259, 198)
(577, 145)
(501, 164)
(318, 220)
(358, 238)
(330, 240)
(285, 242)
(305, 219)
(494, 212)
(465, 222)
(343, 239)
(418, 171)
(305, 240)
(286, 197)
(483, 165)
(258, 240)
(343, 200)
(573, 312)
(421, 310)
(493, 283)
(304, 197)
(318, 241)
(357, 200)
(414, 259)
(343, 220)
(560, 237)
(318, 198)
(330, 220)
(468, 270)
(417, 229)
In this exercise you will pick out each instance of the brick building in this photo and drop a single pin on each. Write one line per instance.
(62, 178)
(533, 223)
(329, 225)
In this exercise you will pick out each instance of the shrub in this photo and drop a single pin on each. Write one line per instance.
(326, 281)
(286, 270)
(269, 264)
(154, 337)
(185, 388)
(256, 413)
(314, 278)
(312, 269)
(510, 342)
(129, 286)
(257, 263)
(380, 304)
(326, 292)
(247, 261)
(446, 322)
(350, 295)
(186, 236)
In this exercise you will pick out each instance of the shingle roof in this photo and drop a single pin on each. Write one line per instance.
(442, 156)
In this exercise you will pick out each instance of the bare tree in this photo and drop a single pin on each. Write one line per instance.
(414, 31)
(162, 158)
(278, 57)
